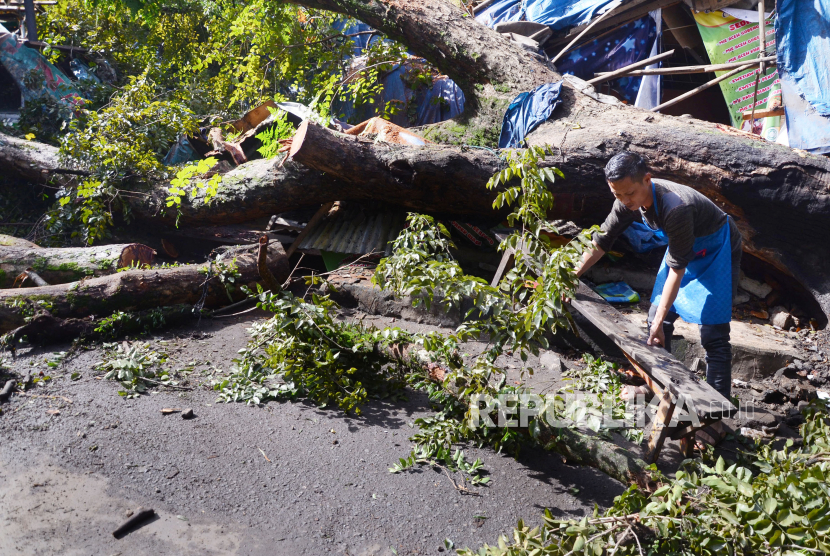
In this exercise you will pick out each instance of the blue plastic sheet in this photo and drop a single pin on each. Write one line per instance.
(803, 38)
(557, 14)
(563, 14)
(499, 12)
(182, 151)
(360, 42)
(629, 43)
(643, 239)
(617, 292)
(526, 112)
(443, 101)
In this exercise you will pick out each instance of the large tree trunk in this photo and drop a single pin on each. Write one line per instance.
(137, 290)
(61, 265)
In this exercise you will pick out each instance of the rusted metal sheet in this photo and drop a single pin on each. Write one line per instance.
(356, 230)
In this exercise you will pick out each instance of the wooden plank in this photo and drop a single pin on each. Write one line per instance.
(660, 427)
(686, 70)
(703, 87)
(655, 361)
(506, 264)
(628, 68)
(764, 114)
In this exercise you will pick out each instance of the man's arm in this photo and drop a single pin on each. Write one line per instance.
(670, 289)
(589, 258)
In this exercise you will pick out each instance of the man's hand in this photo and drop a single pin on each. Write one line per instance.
(656, 336)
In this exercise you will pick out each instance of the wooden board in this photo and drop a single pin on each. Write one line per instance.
(708, 403)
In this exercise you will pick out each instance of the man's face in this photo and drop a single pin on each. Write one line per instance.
(633, 193)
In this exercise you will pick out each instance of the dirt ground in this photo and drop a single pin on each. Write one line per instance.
(285, 478)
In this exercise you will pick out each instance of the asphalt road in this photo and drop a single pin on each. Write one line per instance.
(285, 478)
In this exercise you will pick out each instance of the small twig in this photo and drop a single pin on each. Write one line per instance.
(636, 538)
(796, 547)
(620, 539)
(263, 454)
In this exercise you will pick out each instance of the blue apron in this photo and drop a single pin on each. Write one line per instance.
(705, 295)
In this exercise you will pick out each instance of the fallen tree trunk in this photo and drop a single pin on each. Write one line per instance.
(61, 265)
(33, 161)
(135, 290)
(433, 178)
(581, 449)
(45, 328)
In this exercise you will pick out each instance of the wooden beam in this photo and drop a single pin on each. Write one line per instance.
(628, 68)
(703, 87)
(762, 20)
(31, 22)
(683, 70)
(654, 361)
(39, 45)
(763, 114)
(660, 429)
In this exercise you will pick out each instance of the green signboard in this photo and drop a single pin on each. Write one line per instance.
(729, 39)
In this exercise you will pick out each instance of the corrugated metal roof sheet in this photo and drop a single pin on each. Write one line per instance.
(356, 230)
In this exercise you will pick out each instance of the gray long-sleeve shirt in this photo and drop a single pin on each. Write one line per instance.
(683, 214)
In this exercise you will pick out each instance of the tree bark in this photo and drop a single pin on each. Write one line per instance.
(32, 161)
(45, 328)
(433, 178)
(581, 449)
(61, 265)
(137, 290)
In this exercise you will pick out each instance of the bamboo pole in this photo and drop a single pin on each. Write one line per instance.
(624, 71)
(703, 87)
(590, 26)
(682, 70)
(762, 39)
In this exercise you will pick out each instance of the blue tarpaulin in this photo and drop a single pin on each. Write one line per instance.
(557, 14)
(563, 14)
(643, 239)
(526, 112)
(802, 34)
(629, 43)
(432, 104)
(360, 42)
(441, 101)
(499, 12)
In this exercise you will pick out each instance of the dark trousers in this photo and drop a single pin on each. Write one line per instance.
(715, 340)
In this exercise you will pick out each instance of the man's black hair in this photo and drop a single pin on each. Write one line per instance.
(625, 164)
